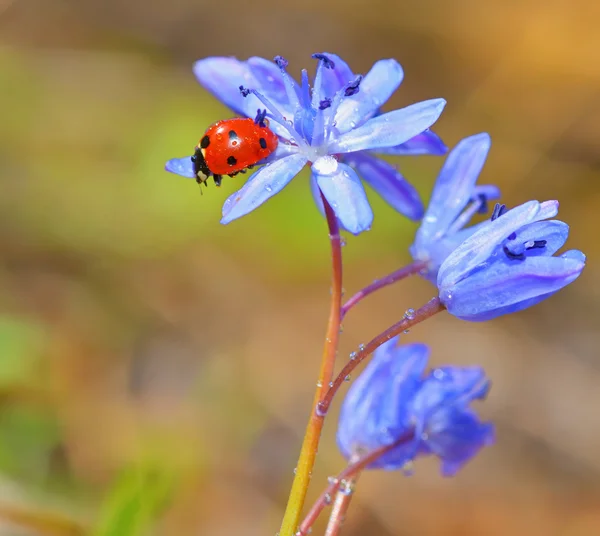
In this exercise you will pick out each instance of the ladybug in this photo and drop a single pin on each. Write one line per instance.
(232, 146)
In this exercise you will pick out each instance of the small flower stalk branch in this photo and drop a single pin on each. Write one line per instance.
(398, 275)
(410, 319)
(340, 506)
(312, 436)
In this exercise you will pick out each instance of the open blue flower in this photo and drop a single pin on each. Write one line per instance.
(392, 400)
(455, 199)
(508, 263)
(332, 126)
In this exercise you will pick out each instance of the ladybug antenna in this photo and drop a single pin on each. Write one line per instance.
(260, 117)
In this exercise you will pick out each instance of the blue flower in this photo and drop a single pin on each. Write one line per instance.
(333, 127)
(392, 400)
(454, 201)
(508, 264)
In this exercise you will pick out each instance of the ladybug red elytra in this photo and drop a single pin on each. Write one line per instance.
(232, 146)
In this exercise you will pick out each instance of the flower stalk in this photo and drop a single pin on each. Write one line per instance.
(312, 435)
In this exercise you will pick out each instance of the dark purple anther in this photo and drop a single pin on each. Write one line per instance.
(512, 236)
(513, 256)
(327, 63)
(281, 62)
(260, 117)
(324, 104)
(498, 211)
(244, 91)
(352, 87)
(483, 208)
(537, 244)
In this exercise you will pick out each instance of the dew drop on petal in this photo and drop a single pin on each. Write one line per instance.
(268, 188)
(439, 374)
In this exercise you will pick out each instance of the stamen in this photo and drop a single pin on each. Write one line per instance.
(499, 210)
(277, 117)
(512, 236)
(327, 62)
(467, 214)
(281, 62)
(483, 207)
(536, 244)
(325, 103)
(513, 256)
(260, 117)
(352, 87)
(245, 91)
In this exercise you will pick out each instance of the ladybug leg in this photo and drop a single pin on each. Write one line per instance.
(217, 179)
(233, 174)
(251, 166)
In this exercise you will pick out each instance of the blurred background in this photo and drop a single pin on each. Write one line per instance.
(157, 368)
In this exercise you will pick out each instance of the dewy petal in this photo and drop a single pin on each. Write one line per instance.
(390, 129)
(500, 288)
(481, 244)
(427, 142)
(454, 186)
(376, 88)
(345, 193)
(389, 183)
(268, 76)
(265, 183)
(181, 166)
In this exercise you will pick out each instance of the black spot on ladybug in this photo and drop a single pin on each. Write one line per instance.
(233, 135)
(232, 160)
(263, 143)
(205, 142)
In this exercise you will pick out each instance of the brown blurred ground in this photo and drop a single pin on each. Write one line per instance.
(154, 338)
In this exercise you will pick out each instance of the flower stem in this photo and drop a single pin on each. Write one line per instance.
(429, 309)
(341, 505)
(402, 273)
(312, 435)
(351, 472)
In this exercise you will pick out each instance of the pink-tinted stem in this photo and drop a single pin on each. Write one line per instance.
(349, 473)
(402, 273)
(428, 310)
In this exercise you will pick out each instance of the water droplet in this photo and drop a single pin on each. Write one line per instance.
(332, 480)
(327, 498)
(408, 468)
(295, 470)
(406, 331)
(353, 356)
(342, 241)
(330, 385)
(319, 384)
(352, 124)
(268, 188)
(439, 374)
(347, 378)
(361, 347)
(409, 314)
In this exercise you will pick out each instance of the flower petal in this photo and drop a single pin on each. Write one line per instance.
(454, 186)
(428, 142)
(262, 185)
(505, 285)
(336, 78)
(223, 76)
(481, 244)
(554, 232)
(376, 88)
(390, 129)
(345, 193)
(389, 183)
(181, 166)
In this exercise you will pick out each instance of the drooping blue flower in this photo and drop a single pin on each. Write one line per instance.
(333, 127)
(508, 263)
(392, 399)
(455, 199)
